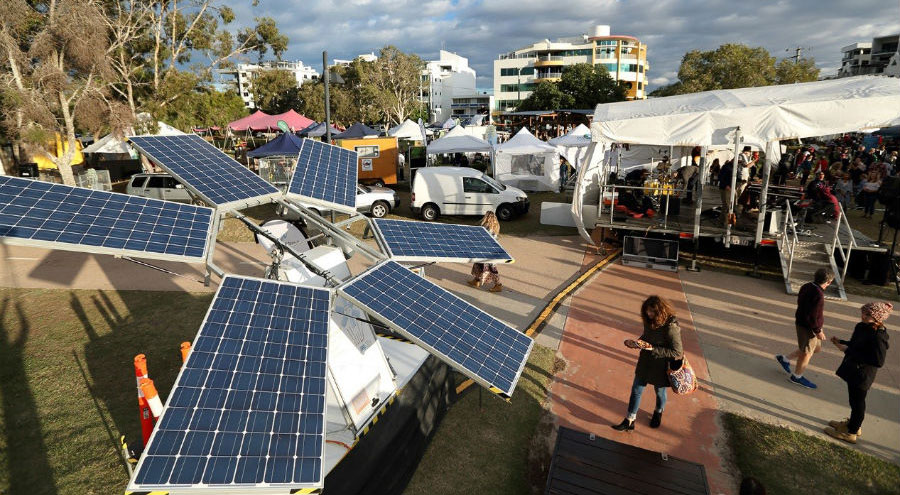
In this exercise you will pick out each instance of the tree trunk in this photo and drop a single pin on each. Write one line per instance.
(64, 161)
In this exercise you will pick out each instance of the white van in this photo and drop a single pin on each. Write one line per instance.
(463, 191)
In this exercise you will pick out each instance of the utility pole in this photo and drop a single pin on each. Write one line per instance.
(327, 97)
(798, 53)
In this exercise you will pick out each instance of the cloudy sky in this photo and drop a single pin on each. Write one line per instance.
(482, 29)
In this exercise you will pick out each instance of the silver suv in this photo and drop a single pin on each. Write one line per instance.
(158, 186)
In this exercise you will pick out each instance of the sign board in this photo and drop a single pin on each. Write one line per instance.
(366, 164)
(283, 126)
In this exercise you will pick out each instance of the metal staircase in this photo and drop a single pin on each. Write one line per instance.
(800, 258)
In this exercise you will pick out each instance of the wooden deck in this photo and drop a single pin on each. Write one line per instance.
(585, 466)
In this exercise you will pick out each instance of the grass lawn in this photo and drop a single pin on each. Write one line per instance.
(786, 461)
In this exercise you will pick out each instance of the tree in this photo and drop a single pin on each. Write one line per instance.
(275, 90)
(56, 81)
(393, 84)
(546, 96)
(736, 66)
(590, 85)
(789, 71)
(204, 107)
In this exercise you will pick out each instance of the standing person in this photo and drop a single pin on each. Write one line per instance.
(486, 273)
(805, 167)
(844, 191)
(870, 186)
(809, 320)
(660, 342)
(714, 171)
(725, 191)
(864, 353)
(745, 160)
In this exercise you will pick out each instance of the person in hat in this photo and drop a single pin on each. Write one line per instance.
(864, 353)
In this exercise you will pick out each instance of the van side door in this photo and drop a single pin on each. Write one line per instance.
(480, 197)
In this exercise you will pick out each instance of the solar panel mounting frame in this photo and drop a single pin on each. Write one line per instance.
(382, 240)
(232, 205)
(133, 489)
(86, 248)
(302, 199)
(504, 394)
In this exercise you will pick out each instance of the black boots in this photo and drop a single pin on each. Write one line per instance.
(656, 419)
(625, 425)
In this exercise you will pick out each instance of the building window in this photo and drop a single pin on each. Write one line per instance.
(368, 151)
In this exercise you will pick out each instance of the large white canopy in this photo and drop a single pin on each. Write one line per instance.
(460, 143)
(764, 114)
(407, 130)
(524, 142)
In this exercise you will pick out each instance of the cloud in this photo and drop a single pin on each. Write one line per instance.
(483, 29)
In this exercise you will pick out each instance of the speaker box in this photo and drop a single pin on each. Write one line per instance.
(889, 192)
(879, 268)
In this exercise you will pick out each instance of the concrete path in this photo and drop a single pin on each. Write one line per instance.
(743, 322)
(591, 394)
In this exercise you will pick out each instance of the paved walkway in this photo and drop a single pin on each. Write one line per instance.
(743, 322)
(592, 392)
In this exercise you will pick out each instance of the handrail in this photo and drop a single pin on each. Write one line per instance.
(840, 221)
(792, 242)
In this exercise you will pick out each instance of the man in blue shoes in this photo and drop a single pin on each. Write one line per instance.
(809, 321)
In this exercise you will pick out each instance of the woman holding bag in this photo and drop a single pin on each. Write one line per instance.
(660, 342)
(864, 353)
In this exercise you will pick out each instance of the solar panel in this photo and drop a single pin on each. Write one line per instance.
(248, 408)
(474, 342)
(325, 175)
(214, 176)
(426, 241)
(55, 216)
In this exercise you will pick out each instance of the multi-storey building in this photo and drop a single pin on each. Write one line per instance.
(444, 79)
(366, 57)
(244, 74)
(517, 73)
(881, 56)
(465, 107)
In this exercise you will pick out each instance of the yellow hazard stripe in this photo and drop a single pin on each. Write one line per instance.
(394, 337)
(306, 490)
(549, 309)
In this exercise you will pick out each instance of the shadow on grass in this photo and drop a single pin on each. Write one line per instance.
(27, 458)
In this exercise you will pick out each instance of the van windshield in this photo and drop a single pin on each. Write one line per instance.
(491, 181)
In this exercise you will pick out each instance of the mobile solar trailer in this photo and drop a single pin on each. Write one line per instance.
(759, 117)
(377, 161)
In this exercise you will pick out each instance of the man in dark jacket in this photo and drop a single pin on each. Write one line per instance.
(809, 321)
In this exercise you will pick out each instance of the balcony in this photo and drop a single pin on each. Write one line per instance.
(548, 76)
(549, 61)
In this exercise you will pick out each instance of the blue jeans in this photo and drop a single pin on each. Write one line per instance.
(637, 389)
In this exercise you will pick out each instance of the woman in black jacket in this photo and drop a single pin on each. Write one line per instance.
(864, 353)
(660, 342)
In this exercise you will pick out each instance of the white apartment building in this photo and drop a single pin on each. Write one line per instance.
(366, 57)
(517, 73)
(244, 74)
(465, 107)
(444, 79)
(880, 56)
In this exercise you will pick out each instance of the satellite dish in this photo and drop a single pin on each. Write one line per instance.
(283, 126)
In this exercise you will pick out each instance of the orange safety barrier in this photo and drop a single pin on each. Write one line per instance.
(147, 420)
(185, 350)
(153, 400)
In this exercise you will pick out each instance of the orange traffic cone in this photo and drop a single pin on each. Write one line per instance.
(140, 373)
(185, 350)
(156, 406)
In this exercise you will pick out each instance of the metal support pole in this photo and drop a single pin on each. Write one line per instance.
(698, 204)
(327, 76)
(731, 198)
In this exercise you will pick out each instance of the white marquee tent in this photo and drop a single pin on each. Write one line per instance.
(407, 130)
(760, 116)
(528, 163)
(573, 146)
(458, 142)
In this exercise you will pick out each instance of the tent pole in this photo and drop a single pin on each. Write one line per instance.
(731, 198)
(698, 204)
(327, 76)
(763, 198)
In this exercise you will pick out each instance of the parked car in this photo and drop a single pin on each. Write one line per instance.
(464, 191)
(158, 186)
(372, 200)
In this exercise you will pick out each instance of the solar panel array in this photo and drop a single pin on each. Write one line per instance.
(469, 339)
(248, 409)
(325, 174)
(426, 241)
(214, 176)
(63, 217)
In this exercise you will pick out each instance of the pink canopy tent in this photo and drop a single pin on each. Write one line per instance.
(261, 121)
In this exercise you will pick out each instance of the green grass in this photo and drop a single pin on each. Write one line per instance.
(489, 448)
(787, 461)
(67, 385)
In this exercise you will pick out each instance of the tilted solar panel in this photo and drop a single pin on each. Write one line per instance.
(467, 338)
(55, 216)
(427, 241)
(248, 408)
(204, 169)
(325, 175)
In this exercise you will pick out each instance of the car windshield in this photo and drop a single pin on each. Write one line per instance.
(495, 183)
(364, 189)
